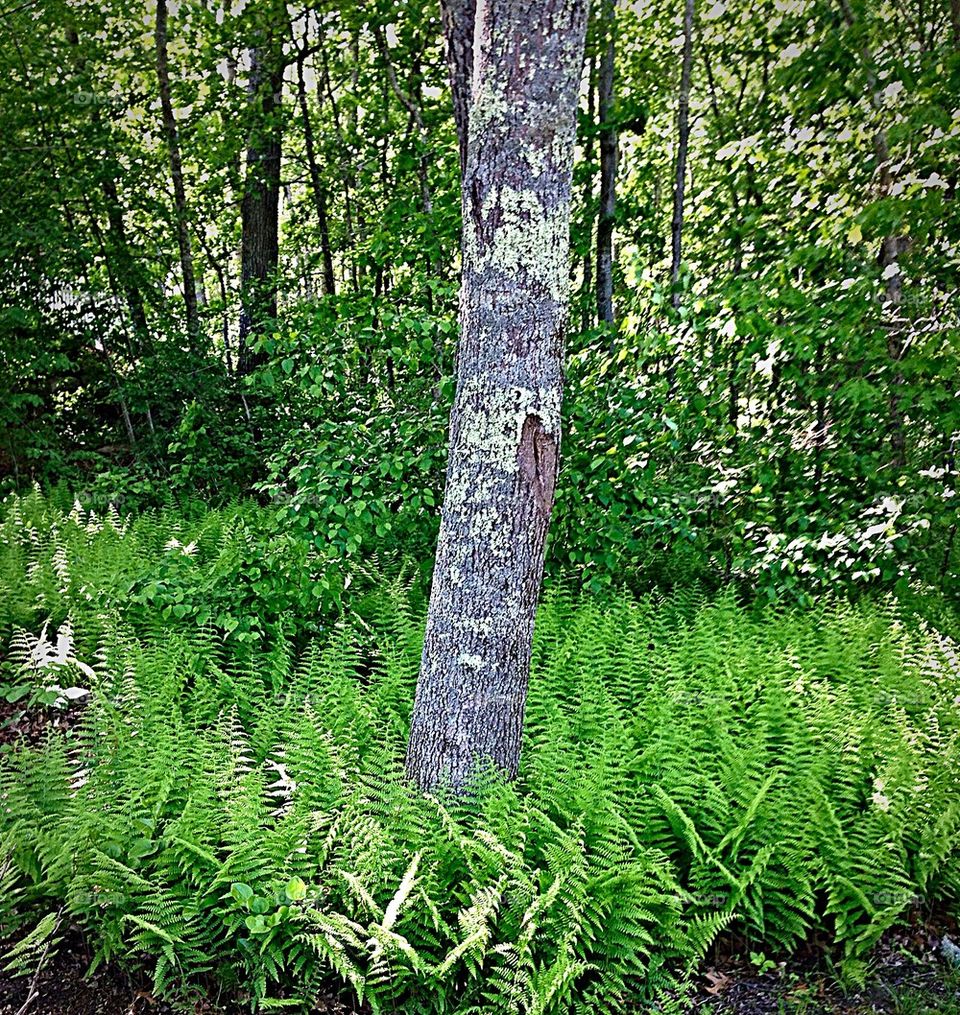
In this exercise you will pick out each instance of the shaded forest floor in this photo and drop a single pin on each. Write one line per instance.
(63, 988)
(907, 977)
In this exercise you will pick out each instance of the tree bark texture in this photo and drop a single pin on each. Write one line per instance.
(505, 422)
(586, 297)
(459, 19)
(176, 174)
(608, 168)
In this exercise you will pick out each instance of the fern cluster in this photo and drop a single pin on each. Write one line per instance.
(234, 813)
(234, 568)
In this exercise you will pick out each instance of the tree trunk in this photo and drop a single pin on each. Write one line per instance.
(176, 175)
(260, 235)
(224, 299)
(586, 294)
(820, 433)
(124, 258)
(409, 102)
(608, 169)
(119, 246)
(683, 140)
(345, 166)
(316, 181)
(891, 247)
(505, 422)
(458, 26)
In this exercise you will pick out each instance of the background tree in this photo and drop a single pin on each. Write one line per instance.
(683, 140)
(176, 174)
(260, 223)
(608, 163)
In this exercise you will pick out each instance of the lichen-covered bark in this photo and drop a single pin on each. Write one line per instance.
(505, 422)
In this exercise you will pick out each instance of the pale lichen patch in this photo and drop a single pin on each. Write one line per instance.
(530, 239)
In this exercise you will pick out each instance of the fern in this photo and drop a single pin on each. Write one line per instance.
(233, 810)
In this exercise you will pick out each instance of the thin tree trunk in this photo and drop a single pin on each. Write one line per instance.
(176, 175)
(224, 298)
(118, 234)
(683, 141)
(118, 240)
(115, 219)
(408, 101)
(103, 352)
(733, 382)
(890, 250)
(505, 422)
(608, 168)
(260, 226)
(316, 180)
(346, 171)
(458, 28)
(586, 295)
(820, 435)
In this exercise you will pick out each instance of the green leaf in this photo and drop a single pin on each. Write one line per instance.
(296, 889)
(241, 892)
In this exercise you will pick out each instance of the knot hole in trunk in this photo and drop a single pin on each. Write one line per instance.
(538, 461)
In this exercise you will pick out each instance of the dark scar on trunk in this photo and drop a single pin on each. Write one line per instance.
(538, 461)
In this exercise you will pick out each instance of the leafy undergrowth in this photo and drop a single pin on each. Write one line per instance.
(233, 814)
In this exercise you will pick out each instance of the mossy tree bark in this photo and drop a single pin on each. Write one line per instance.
(505, 422)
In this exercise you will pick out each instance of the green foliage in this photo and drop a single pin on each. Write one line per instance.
(32, 950)
(744, 435)
(233, 570)
(233, 811)
(364, 474)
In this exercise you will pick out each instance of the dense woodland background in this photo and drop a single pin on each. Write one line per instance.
(230, 270)
(229, 275)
